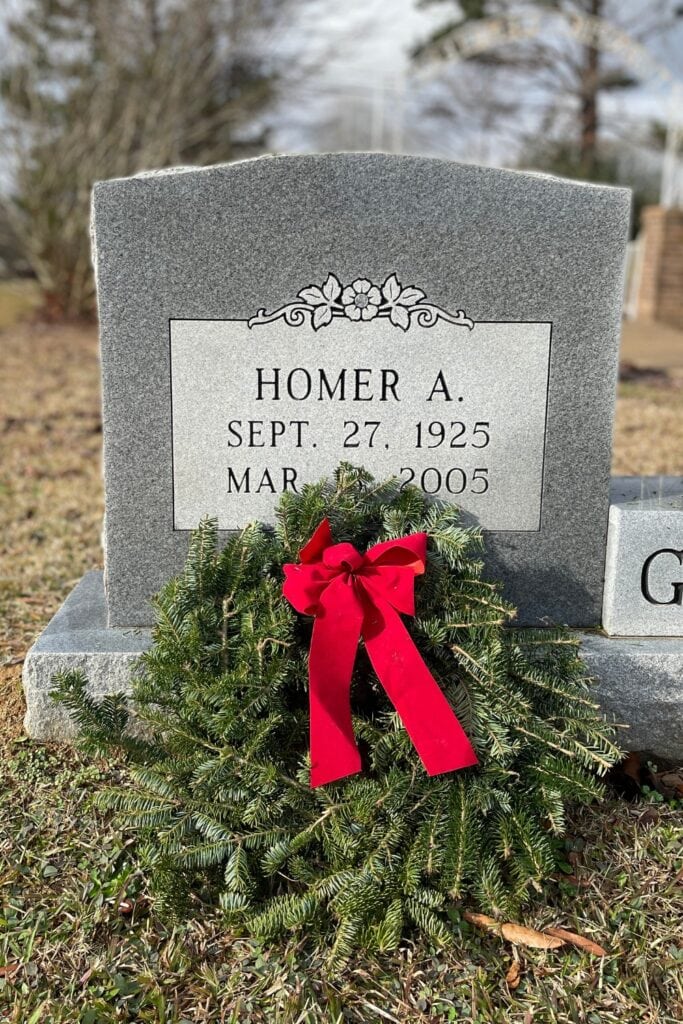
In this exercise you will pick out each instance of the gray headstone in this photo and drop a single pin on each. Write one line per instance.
(454, 325)
(644, 568)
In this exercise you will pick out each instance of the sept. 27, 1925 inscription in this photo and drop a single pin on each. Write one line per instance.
(373, 374)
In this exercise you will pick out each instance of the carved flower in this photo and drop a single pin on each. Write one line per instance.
(361, 300)
(323, 299)
(399, 299)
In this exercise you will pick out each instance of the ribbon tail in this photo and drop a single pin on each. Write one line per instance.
(334, 644)
(436, 733)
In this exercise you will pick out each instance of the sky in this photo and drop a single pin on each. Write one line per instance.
(359, 55)
(362, 47)
(359, 90)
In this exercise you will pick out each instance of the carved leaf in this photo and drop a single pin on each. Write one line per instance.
(331, 288)
(409, 296)
(400, 317)
(313, 296)
(391, 289)
(321, 316)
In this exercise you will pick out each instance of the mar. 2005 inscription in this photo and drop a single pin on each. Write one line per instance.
(374, 375)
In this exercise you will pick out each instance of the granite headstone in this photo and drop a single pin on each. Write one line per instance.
(453, 325)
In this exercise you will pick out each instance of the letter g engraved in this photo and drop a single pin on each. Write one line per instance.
(645, 578)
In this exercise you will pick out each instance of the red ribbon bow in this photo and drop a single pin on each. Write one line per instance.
(353, 595)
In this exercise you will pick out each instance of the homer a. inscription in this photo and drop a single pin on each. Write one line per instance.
(373, 374)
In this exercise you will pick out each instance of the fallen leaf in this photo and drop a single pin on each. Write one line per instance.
(578, 940)
(522, 936)
(631, 766)
(514, 975)
(482, 921)
(628, 776)
(673, 781)
(7, 970)
(672, 778)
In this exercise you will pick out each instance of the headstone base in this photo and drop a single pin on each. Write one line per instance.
(78, 637)
(639, 684)
(638, 680)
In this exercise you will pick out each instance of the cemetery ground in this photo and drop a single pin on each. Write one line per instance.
(78, 938)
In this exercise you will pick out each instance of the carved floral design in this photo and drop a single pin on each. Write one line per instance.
(361, 301)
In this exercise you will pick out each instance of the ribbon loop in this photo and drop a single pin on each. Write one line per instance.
(353, 595)
(342, 556)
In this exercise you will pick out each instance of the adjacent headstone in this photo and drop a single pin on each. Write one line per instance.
(452, 325)
(644, 569)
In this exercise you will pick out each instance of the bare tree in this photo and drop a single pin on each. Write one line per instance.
(95, 89)
(569, 70)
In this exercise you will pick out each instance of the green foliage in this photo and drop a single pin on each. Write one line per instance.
(218, 772)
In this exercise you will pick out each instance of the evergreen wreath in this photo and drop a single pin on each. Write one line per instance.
(217, 785)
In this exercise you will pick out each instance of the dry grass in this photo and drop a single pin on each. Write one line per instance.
(18, 299)
(50, 485)
(648, 437)
(652, 344)
(70, 950)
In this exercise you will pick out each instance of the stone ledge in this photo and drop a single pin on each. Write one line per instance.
(77, 637)
(639, 681)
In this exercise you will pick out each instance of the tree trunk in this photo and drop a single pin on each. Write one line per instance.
(588, 145)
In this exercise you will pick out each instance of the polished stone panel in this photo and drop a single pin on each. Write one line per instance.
(644, 568)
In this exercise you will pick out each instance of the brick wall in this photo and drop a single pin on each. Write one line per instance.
(660, 295)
